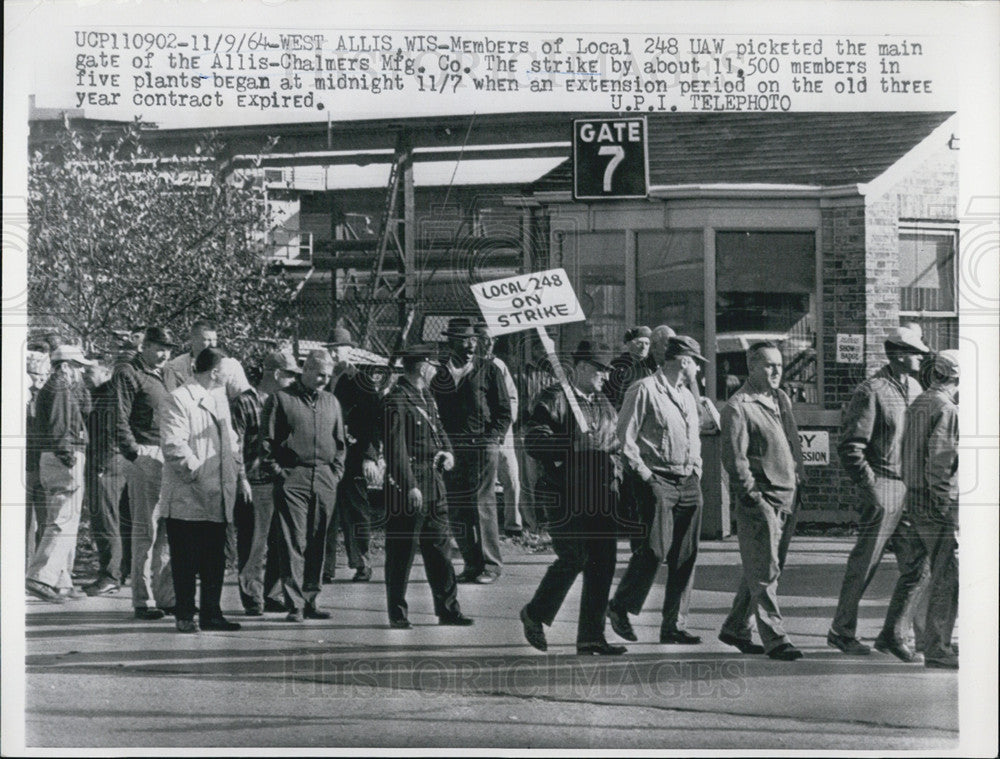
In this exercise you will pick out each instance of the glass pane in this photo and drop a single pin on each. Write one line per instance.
(927, 271)
(766, 290)
(599, 273)
(670, 282)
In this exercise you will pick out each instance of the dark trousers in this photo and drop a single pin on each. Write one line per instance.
(105, 487)
(592, 552)
(304, 502)
(679, 501)
(197, 550)
(931, 540)
(125, 530)
(257, 535)
(353, 517)
(405, 530)
(472, 507)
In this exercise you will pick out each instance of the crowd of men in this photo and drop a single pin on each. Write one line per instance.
(185, 467)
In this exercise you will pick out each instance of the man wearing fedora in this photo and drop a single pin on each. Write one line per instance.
(61, 426)
(576, 498)
(257, 529)
(360, 404)
(475, 412)
(871, 437)
(417, 452)
(659, 431)
(141, 390)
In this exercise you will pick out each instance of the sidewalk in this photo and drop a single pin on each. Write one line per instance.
(97, 677)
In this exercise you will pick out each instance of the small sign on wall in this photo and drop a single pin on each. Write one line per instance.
(850, 349)
(815, 447)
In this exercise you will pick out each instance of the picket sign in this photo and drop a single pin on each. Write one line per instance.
(515, 304)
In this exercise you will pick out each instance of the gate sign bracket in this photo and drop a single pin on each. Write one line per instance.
(610, 159)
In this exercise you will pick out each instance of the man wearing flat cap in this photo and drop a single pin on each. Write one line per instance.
(871, 436)
(659, 432)
(631, 366)
(202, 472)
(140, 389)
(360, 404)
(257, 528)
(475, 412)
(417, 452)
(304, 449)
(930, 471)
(61, 441)
(575, 497)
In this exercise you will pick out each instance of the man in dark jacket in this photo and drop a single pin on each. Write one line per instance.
(417, 450)
(140, 389)
(475, 412)
(360, 404)
(304, 449)
(575, 494)
(871, 437)
(630, 366)
(61, 410)
(105, 476)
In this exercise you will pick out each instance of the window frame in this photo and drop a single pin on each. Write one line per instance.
(932, 229)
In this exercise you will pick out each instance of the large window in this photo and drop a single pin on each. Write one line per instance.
(927, 294)
(600, 282)
(670, 281)
(766, 290)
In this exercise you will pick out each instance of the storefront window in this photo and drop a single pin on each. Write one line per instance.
(927, 284)
(600, 283)
(670, 281)
(766, 290)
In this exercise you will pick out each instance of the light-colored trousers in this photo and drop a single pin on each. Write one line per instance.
(52, 561)
(152, 580)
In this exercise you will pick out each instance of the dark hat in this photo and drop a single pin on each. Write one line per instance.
(682, 345)
(632, 334)
(208, 360)
(159, 335)
(411, 354)
(598, 354)
(283, 361)
(459, 327)
(907, 339)
(341, 336)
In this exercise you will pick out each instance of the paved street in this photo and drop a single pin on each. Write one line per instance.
(96, 677)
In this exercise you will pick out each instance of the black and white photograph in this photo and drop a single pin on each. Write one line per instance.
(505, 378)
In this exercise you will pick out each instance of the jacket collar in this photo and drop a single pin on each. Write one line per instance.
(766, 398)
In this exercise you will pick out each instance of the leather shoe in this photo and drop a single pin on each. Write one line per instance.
(101, 587)
(682, 637)
(295, 615)
(145, 612)
(400, 624)
(533, 631)
(311, 612)
(468, 575)
(220, 623)
(187, 626)
(170, 610)
(785, 652)
(253, 611)
(848, 645)
(455, 620)
(599, 648)
(44, 592)
(487, 578)
(362, 575)
(944, 662)
(621, 625)
(274, 606)
(897, 648)
(745, 645)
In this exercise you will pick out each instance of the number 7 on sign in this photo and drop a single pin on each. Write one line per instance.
(619, 155)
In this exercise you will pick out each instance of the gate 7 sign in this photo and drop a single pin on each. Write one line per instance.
(610, 159)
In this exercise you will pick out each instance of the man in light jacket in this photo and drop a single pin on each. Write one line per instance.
(763, 457)
(202, 471)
